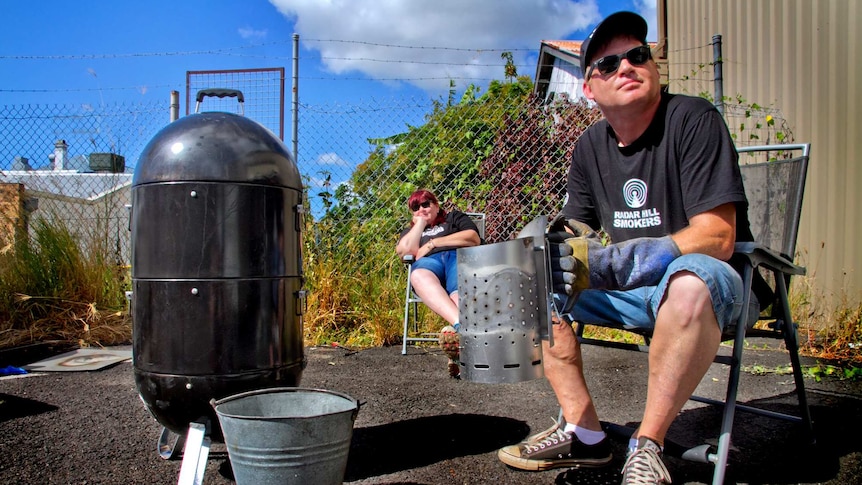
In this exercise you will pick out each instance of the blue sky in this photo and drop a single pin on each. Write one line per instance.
(100, 52)
(52, 50)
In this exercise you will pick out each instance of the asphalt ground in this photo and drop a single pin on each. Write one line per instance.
(417, 426)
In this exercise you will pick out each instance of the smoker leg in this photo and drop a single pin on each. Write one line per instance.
(195, 455)
(170, 445)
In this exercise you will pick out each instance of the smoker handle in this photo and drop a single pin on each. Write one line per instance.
(219, 93)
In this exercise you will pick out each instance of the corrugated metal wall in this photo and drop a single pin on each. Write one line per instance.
(803, 57)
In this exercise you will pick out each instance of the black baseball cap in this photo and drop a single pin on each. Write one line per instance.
(628, 23)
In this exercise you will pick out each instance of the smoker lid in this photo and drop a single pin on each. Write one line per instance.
(217, 146)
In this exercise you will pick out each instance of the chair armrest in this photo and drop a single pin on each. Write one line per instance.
(408, 259)
(760, 255)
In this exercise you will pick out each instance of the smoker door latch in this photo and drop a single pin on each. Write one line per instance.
(300, 217)
(302, 302)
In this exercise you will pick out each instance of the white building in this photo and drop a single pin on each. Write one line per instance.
(91, 203)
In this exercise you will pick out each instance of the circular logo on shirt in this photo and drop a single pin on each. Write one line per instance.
(634, 191)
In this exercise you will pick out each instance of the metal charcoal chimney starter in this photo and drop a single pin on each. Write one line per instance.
(216, 267)
(502, 308)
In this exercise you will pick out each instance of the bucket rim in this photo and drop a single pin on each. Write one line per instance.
(272, 390)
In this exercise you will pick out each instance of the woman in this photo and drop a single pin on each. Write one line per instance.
(432, 239)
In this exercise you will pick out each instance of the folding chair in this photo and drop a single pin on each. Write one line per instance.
(411, 299)
(774, 188)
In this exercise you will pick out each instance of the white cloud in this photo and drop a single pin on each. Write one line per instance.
(330, 159)
(320, 183)
(249, 33)
(317, 182)
(438, 32)
(647, 10)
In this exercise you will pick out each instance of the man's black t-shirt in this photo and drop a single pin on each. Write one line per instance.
(456, 221)
(684, 164)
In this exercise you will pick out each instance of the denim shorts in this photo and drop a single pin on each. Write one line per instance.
(637, 308)
(443, 265)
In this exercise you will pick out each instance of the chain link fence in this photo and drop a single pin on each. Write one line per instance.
(263, 88)
(504, 155)
(501, 153)
(75, 163)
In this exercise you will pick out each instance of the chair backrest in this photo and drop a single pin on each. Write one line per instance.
(774, 188)
(478, 219)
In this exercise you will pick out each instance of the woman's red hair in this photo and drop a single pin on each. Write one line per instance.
(421, 196)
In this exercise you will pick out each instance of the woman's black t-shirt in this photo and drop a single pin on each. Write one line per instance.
(684, 164)
(456, 221)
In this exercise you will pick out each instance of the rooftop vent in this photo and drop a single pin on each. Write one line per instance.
(21, 164)
(107, 162)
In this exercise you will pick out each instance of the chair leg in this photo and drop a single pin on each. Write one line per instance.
(407, 304)
(724, 439)
(404, 338)
(791, 341)
(721, 455)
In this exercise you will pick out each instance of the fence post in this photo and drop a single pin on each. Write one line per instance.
(175, 106)
(719, 80)
(295, 99)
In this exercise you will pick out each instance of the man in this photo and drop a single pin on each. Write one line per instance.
(659, 174)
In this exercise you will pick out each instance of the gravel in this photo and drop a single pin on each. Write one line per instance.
(418, 426)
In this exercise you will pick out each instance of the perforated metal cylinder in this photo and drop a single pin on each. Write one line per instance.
(500, 311)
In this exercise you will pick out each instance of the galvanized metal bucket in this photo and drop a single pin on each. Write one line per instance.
(287, 435)
(502, 307)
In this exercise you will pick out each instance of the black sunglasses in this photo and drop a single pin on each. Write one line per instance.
(415, 207)
(609, 64)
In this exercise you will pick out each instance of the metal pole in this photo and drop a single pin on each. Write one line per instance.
(295, 99)
(175, 106)
(719, 79)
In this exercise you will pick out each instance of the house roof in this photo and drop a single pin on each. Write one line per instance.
(68, 183)
(570, 46)
(567, 50)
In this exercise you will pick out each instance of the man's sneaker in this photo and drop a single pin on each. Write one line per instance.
(535, 438)
(644, 465)
(557, 449)
(450, 342)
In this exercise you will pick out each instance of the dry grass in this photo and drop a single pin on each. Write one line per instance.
(355, 298)
(74, 322)
(53, 290)
(835, 335)
(829, 326)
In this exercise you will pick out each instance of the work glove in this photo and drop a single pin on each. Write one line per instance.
(578, 229)
(579, 261)
(569, 254)
(631, 264)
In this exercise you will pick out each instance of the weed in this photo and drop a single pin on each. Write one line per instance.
(816, 372)
(59, 285)
(830, 327)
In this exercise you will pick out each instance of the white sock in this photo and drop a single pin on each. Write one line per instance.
(587, 436)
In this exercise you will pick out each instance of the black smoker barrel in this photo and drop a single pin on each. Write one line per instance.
(216, 266)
